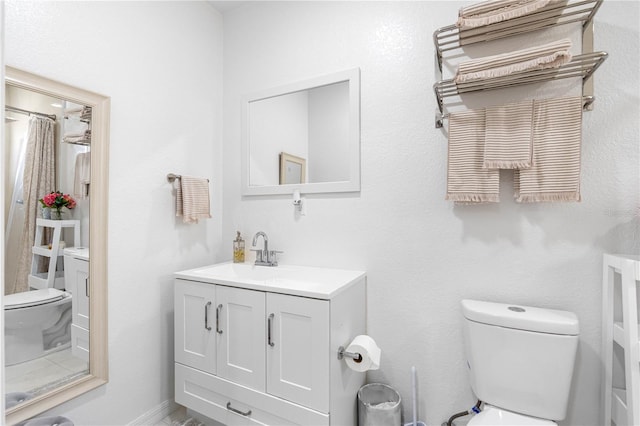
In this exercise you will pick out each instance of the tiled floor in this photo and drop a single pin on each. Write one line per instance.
(35, 375)
(180, 418)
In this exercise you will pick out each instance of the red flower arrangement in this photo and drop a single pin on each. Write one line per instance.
(57, 200)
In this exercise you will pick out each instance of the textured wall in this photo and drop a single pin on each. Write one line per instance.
(423, 255)
(161, 64)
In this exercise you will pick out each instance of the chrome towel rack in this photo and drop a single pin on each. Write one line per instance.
(586, 101)
(556, 13)
(582, 66)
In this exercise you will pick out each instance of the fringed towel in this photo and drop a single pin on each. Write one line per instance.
(492, 11)
(82, 175)
(557, 135)
(467, 181)
(551, 55)
(192, 199)
(508, 142)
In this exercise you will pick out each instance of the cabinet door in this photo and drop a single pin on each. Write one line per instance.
(76, 273)
(195, 332)
(241, 336)
(298, 350)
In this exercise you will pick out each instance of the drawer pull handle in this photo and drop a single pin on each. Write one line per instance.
(242, 413)
(269, 327)
(206, 316)
(218, 309)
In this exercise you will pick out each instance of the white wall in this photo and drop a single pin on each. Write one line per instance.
(161, 64)
(422, 254)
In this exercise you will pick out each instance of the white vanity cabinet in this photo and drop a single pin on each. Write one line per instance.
(76, 274)
(264, 351)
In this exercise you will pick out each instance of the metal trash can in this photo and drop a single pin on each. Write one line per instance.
(379, 405)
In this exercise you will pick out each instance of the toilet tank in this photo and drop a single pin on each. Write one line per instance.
(521, 358)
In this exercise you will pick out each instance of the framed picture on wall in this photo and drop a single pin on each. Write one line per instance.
(292, 169)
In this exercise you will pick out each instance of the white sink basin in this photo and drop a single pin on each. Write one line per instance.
(320, 283)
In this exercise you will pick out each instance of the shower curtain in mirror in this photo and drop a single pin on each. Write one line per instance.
(38, 180)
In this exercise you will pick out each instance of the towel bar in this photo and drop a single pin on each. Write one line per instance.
(440, 117)
(172, 177)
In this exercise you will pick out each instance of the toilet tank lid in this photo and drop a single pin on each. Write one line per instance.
(32, 298)
(521, 317)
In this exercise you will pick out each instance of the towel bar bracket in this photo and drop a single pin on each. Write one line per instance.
(587, 47)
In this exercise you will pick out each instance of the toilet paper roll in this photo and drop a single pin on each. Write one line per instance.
(368, 350)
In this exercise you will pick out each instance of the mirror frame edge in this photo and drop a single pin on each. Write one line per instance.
(98, 243)
(351, 75)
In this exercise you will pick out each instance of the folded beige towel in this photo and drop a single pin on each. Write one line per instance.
(550, 55)
(492, 11)
(508, 141)
(467, 180)
(557, 135)
(192, 199)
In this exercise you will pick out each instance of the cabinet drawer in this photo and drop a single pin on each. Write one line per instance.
(209, 395)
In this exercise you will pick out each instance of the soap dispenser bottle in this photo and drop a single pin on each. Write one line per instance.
(238, 249)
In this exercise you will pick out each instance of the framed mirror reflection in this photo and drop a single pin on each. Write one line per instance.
(315, 120)
(55, 282)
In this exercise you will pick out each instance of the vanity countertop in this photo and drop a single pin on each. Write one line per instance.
(306, 281)
(77, 252)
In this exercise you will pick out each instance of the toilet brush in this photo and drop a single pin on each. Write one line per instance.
(414, 387)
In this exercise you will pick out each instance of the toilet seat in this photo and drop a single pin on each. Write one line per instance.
(33, 298)
(493, 416)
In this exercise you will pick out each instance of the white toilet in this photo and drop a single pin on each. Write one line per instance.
(520, 362)
(26, 316)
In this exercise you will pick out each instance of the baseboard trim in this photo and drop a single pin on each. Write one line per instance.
(155, 415)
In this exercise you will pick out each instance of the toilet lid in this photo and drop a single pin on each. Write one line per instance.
(493, 416)
(33, 298)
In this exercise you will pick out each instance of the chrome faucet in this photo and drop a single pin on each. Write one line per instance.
(264, 257)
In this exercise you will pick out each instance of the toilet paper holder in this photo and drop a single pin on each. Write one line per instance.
(355, 356)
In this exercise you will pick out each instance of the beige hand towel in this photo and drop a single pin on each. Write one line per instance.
(192, 199)
(82, 175)
(467, 180)
(508, 142)
(550, 55)
(557, 136)
(492, 11)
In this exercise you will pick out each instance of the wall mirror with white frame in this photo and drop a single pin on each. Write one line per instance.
(55, 282)
(316, 121)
